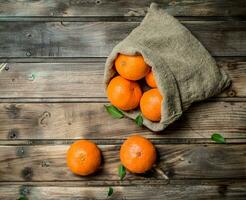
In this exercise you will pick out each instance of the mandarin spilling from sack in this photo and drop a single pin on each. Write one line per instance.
(126, 90)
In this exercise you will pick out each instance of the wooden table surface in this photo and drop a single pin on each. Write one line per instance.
(51, 94)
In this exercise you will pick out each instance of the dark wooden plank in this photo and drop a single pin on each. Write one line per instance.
(52, 80)
(75, 8)
(141, 192)
(82, 80)
(91, 121)
(96, 39)
(48, 163)
(237, 72)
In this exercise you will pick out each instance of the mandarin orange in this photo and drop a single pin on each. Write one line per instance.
(131, 67)
(83, 157)
(123, 93)
(137, 154)
(150, 79)
(150, 104)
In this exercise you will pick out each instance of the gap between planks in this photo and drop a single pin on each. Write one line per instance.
(80, 8)
(99, 141)
(106, 183)
(114, 19)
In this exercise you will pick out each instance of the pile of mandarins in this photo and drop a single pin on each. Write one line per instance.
(125, 93)
(137, 153)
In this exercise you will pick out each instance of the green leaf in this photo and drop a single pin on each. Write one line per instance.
(110, 191)
(218, 138)
(115, 112)
(139, 120)
(122, 172)
(22, 198)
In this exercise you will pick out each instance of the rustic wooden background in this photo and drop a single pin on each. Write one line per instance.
(51, 94)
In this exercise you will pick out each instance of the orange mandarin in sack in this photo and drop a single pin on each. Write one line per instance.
(150, 79)
(150, 104)
(131, 67)
(123, 93)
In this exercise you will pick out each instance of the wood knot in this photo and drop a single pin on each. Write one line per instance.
(28, 35)
(43, 120)
(98, 2)
(231, 93)
(27, 173)
(45, 163)
(20, 151)
(13, 134)
(13, 111)
(6, 68)
(28, 53)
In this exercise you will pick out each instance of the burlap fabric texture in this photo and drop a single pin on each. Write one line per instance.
(184, 70)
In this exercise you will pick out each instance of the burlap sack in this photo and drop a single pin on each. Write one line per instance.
(184, 70)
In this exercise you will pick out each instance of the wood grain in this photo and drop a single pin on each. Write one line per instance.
(61, 48)
(83, 80)
(75, 8)
(146, 192)
(48, 163)
(91, 121)
(96, 39)
(52, 80)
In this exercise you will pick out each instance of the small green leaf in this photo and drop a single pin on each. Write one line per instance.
(139, 120)
(115, 112)
(22, 198)
(122, 172)
(110, 191)
(218, 138)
